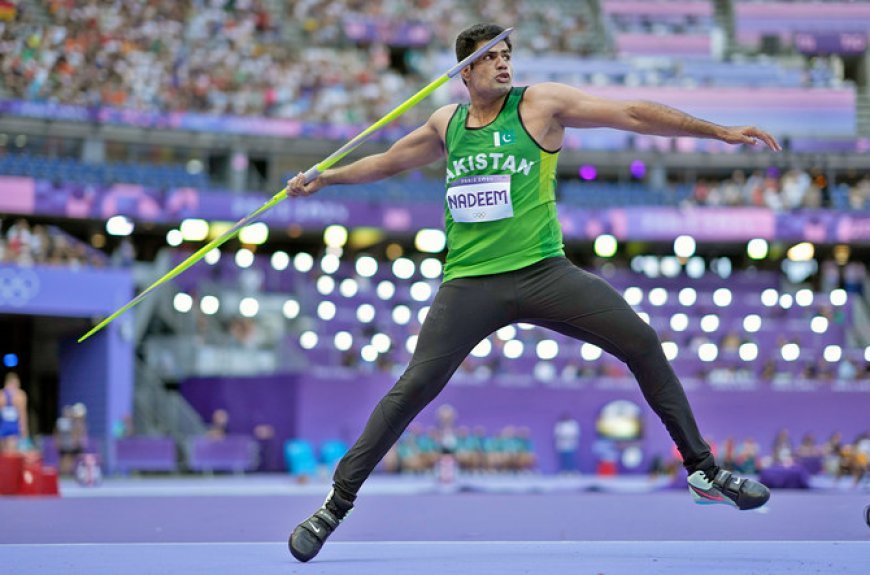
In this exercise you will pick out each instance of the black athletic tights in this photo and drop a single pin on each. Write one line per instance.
(552, 293)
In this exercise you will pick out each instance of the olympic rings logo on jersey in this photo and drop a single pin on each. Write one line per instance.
(17, 286)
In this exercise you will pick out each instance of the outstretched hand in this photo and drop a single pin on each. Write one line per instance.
(750, 135)
(296, 187)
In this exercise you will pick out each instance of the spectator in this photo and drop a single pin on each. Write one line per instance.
(566, 434)
(220, 419)
(71, 436)
(13, 414)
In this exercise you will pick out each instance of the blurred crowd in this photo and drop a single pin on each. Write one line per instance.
(834, 458)
(25, 245)
(232, 57)
(782, 191)
(469, 449)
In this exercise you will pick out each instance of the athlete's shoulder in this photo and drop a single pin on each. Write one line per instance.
(440, 118)
(546, 91)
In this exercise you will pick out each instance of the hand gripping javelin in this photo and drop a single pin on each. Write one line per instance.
(312, 173)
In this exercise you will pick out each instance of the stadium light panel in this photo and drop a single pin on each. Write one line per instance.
(249, 307)
(194, 229)
(255, 234)
(182, 302)
(482, 349)
(605, 246)
(325, 285)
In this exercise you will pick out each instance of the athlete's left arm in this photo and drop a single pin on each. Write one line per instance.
(573, 108)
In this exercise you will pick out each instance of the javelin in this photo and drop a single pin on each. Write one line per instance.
(311, 174)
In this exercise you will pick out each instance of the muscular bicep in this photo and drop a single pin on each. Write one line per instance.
(415, 150)
(574, 108)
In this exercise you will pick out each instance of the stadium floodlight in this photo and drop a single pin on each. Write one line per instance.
(722, 297)
(308, 340)
(431, 241)
(769, 297)
(365, 313)
(249, 307)
(369, 353)
(790, 351)
(386, 290)
(757, 249)
(802, 252)
(804, 297)
(605, 246)
(255, 234)
(833, 353)
(819, 324)
(194, 229)
(343, 341)
(752, 323)
(401, 314)
(482, 349)
(708, 352)
(679, 322)
(838, 297)
(403, 268)
(421, 291)
(335, 236)
(687, 296)
(431, 268)
(330, 263)
(786, 301)
(513, 349)
(209, 305)
(709, 323)
(684, 246)
(325, 285)
(748, 351)
(366, 266)
(658, 296)
(348, 287)
(303, 262)
(671, 350)
(411, 343)
(633, 295)
(212, 257)
(174, 238)
(547, 349)
(290, 309)
(119, 226)
(280, 261)
(382, 342)
(506, 333)
(326, 310)
(182, 302)
(309, 175)
(244, 258)
(590, 352)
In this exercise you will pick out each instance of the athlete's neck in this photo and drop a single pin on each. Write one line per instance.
(483, 111)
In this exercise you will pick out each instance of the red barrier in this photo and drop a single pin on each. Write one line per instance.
(11, 472)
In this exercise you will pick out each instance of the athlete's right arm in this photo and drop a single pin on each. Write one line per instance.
(417, 149)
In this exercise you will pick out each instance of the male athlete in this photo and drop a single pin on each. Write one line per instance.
(506, 262)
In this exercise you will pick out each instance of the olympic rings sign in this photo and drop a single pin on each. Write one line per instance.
(17, 286)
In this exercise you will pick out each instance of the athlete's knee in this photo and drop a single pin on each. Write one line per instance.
(643, 342)
(416, 387)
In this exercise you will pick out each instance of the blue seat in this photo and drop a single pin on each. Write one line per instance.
(332, 451)
(299, 457)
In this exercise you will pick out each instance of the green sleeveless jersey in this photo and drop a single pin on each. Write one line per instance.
(500, 205)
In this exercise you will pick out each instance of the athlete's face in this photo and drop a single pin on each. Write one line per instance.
(493, 72)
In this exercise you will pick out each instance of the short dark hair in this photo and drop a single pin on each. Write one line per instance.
(468, 39)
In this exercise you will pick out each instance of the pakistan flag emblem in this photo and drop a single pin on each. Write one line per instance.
(503, 138)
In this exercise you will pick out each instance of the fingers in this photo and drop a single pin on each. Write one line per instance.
(768, 140)
(296, 186)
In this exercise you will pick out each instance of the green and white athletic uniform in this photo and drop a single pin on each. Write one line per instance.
(500, 206)
(506, 264)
